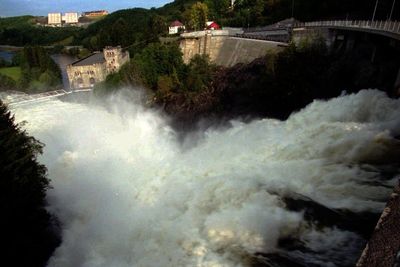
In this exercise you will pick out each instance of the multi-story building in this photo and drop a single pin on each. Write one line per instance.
(54, 19)
(70, 18)
(85, 73)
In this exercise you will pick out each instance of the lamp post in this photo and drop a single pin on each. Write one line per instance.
(391, 12)
(376, 6)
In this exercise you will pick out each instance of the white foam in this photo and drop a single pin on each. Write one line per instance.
(127, 194)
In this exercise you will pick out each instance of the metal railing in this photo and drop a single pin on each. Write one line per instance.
(385, 26)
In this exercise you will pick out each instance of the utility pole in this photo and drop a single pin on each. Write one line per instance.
(391, 12)
(376, 6)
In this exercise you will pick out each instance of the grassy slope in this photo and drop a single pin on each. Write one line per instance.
(12, 72)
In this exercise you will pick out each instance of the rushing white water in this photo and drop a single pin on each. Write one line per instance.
(129, 194)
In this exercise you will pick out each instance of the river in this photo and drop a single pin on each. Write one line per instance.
(6, 55)
(129, 192)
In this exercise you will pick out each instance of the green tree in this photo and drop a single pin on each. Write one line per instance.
(165, 84)
(197, 16)
(120, 33)
(38, 67)
(200, 73)
(158, 25)
(26, 228)
(217, 8)
(157, 60)
(7, 83)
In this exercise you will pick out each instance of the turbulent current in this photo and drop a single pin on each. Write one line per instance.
(129, 192)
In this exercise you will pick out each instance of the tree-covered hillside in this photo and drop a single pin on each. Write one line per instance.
(137, 27)
(128, 27)
(22, 31)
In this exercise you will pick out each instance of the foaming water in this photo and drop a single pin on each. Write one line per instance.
(128, 194)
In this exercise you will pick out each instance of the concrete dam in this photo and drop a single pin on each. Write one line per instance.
(224, 48)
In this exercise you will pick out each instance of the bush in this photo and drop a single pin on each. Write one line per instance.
(6, 83)
(200, 73)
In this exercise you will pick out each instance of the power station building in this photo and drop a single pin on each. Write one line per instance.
(87, 72)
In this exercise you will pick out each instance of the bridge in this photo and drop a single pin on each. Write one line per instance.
(15, 98)
(282, 31)
(387, 28)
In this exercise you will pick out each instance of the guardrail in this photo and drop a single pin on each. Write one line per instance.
(385, 26)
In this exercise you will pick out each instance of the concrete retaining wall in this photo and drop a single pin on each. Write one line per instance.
(223, 49)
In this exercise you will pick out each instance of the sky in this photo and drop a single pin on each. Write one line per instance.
(42, 7)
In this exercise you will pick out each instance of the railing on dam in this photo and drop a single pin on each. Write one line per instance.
(282, 32)
(367, 25)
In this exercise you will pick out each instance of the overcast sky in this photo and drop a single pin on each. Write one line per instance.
(42, 7)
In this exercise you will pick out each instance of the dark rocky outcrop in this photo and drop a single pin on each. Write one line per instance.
(383, 249)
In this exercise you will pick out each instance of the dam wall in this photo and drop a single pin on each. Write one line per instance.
(223, 48)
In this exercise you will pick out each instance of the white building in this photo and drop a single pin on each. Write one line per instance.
(175, 27)
(70, 18)
(54, 18)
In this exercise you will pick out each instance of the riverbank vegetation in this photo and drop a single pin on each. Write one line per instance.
(12, 72)
(27, 230)
(32, 71)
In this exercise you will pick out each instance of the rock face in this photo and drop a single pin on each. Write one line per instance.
(383, 249)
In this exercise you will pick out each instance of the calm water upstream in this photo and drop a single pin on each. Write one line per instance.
(6, 55)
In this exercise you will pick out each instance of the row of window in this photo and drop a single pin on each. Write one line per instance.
(91, 80)
(78, 73)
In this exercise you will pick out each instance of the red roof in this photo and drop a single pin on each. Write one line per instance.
(176, 23)
(214, 25)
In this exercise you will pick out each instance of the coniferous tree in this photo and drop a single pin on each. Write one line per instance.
(27, 235)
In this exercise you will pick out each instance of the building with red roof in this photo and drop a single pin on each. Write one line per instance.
(175, 27)
(212, 25)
